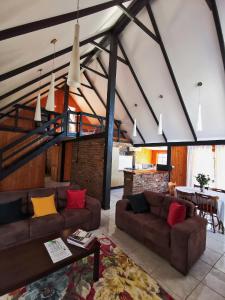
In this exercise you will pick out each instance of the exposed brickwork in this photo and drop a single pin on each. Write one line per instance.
(137, 183)
(88, 166)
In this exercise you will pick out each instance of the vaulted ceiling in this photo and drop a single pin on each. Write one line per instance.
(169, 48)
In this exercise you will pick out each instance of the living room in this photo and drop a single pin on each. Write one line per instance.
(112, 149)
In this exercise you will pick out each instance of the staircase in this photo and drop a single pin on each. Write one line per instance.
(30, 145)
(38, 140)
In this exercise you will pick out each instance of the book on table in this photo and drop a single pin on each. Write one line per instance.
(57, 250)
(80, 238)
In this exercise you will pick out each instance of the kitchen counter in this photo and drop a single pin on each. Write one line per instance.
(137, 181)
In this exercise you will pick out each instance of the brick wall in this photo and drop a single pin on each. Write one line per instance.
(137, 183)
(88, 166)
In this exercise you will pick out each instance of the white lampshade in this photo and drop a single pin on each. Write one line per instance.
(135, 128)
(160, 126)
(37, 115)
(73, 79)
(50, 104)
(199, 121)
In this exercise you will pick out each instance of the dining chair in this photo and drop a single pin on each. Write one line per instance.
(171, 188)
(188, 197)
(207, 206)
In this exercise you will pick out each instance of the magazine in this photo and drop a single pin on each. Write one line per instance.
(57, 250)
(80, 238)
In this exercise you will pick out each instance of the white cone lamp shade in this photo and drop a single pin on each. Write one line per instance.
(37, 115)
(160, 126)
(74, 68)
(199, 121)
(50, 104)
(135, 128)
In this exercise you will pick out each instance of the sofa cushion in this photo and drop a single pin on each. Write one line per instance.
(75, 199)
(35, 193)
(62, 197)
(76, 217)
(177, 213)
(46, 225)
(44, 206)
(11, 212)
(190, 208)
(138, 203)
(157, 231)
(156, 201)
(14, 233)
(7, 197)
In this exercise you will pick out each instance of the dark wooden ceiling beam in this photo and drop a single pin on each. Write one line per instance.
(140, 88)
(121, 101)
(92, 70)
(107, 51)
(47, 58)
(185, 143)
(29, 94)
(53, 21)
(172, 75)
(219, 30)
(140, 24)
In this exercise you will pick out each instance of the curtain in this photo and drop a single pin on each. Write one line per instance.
(200, 160)
(220, 167)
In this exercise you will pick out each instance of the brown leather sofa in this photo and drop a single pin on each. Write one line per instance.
(181, 245)
(31, 228)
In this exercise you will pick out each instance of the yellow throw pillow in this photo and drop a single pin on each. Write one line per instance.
(44, 206)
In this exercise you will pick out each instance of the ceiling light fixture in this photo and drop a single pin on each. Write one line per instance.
(74, 67)
(199, 119)
(37, 114)
(134, 133)
(50, 104)
(160, 125)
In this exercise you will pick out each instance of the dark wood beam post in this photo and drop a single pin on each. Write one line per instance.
(219, 31)
(110, 121)
(163, 49)
(65, 109)
(140, 87)
(169, 152)
(121, 100)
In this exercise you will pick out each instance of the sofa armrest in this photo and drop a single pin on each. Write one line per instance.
(188, 242)
(121, 206)
(94, 206)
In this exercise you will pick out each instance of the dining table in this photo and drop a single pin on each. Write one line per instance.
(220, 195)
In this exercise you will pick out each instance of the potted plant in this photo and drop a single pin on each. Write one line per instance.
(203, 180)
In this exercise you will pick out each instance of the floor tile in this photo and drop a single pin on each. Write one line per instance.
(181, 285)
(202, 292)
(210, 256)
(220, 265)
(218, 246)
(200, 269)
(216, 281)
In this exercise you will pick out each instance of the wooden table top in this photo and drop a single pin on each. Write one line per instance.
(28, 262)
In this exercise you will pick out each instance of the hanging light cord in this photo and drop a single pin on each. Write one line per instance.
(78, 9)
(53, 65)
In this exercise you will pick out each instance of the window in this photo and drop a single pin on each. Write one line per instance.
(162, 159)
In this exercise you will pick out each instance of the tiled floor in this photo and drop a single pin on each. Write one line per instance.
(206, 280)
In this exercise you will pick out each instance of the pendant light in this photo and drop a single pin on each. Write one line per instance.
(73, 79)
(134, 133)
(160, 125)
(199, 119)
(37, 114)
(50, 104)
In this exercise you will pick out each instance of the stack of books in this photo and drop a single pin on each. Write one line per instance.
(80, 238)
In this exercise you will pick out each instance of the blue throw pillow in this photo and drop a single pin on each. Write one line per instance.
(138, 203)
(11, 212)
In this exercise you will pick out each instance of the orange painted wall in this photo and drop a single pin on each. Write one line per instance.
(148, 156)
(144, 156)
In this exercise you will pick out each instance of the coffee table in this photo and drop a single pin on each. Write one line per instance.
(28, 262)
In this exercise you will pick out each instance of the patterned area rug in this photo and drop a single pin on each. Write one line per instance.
(120, 279)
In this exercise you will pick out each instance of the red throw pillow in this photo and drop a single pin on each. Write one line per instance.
(177, 213)
(75, 199)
